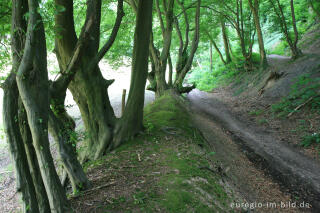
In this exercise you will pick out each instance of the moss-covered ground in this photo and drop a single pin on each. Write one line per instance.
(163, 170)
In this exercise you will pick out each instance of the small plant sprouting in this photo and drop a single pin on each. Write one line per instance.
(308, 140)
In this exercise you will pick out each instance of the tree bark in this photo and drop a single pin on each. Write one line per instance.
(211, 57)
(61, 125)
(24, 183)
(41, 193)
(296, 51)
(212, 42)
(170, 71)
(131, 122)
(29, 181)
(61, 134)
(255, 11)
(160, 59)
(33, 68)
(194, 46)
(225, 41)
(88, 87)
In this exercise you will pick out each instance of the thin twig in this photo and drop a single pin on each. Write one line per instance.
(301, 105)
(94, 189)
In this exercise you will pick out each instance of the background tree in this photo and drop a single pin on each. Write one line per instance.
(292, 40)
(254, 6)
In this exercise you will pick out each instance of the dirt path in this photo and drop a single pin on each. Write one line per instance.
(293, 170)
(277, 60)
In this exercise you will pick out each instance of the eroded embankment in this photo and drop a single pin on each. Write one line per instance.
(298, 173)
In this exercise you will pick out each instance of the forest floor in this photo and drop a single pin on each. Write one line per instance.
(169, 168)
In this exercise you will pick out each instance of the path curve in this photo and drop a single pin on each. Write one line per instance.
(300, 174)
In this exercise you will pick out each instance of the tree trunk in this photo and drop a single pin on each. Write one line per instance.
(211, 58)
(170, 71)
(67, 154)
(41, 193)
(131, 122)
(33, 68)
(225, 41)
(88, 87)
(217, 49)
(255, 11)
(29, 180)
(90, 91)
(160, 60)
(162, 85)
(178, 84)
(24, 181)
(296, 52)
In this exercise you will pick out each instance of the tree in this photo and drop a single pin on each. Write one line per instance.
(225, 40)
(131, 122)
(278, 9)
(237, 14)
(160, 59)
(254, 6)
(78, 60)
(33, 68)
(185, 59)
(314, 7)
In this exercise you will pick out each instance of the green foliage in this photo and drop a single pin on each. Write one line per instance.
(308, 140)
(304, 91)
(139, 198)
(222, 74)
(256, 112)
(282, 48)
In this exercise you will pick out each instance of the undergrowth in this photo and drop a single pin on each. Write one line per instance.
(222, 74)
(304, 92)
(308, 140)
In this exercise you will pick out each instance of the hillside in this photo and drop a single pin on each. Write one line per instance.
(283, 99)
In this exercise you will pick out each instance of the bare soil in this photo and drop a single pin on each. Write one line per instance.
(250, 182)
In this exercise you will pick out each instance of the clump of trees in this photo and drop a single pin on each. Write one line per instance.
(34, 106)
(234, 27)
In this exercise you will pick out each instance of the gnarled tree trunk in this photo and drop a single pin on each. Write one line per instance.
(88, 87)
(72, 166)
(41, 193)
(29, 180)
(11, 125)
(184, 59)
(32, 81)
